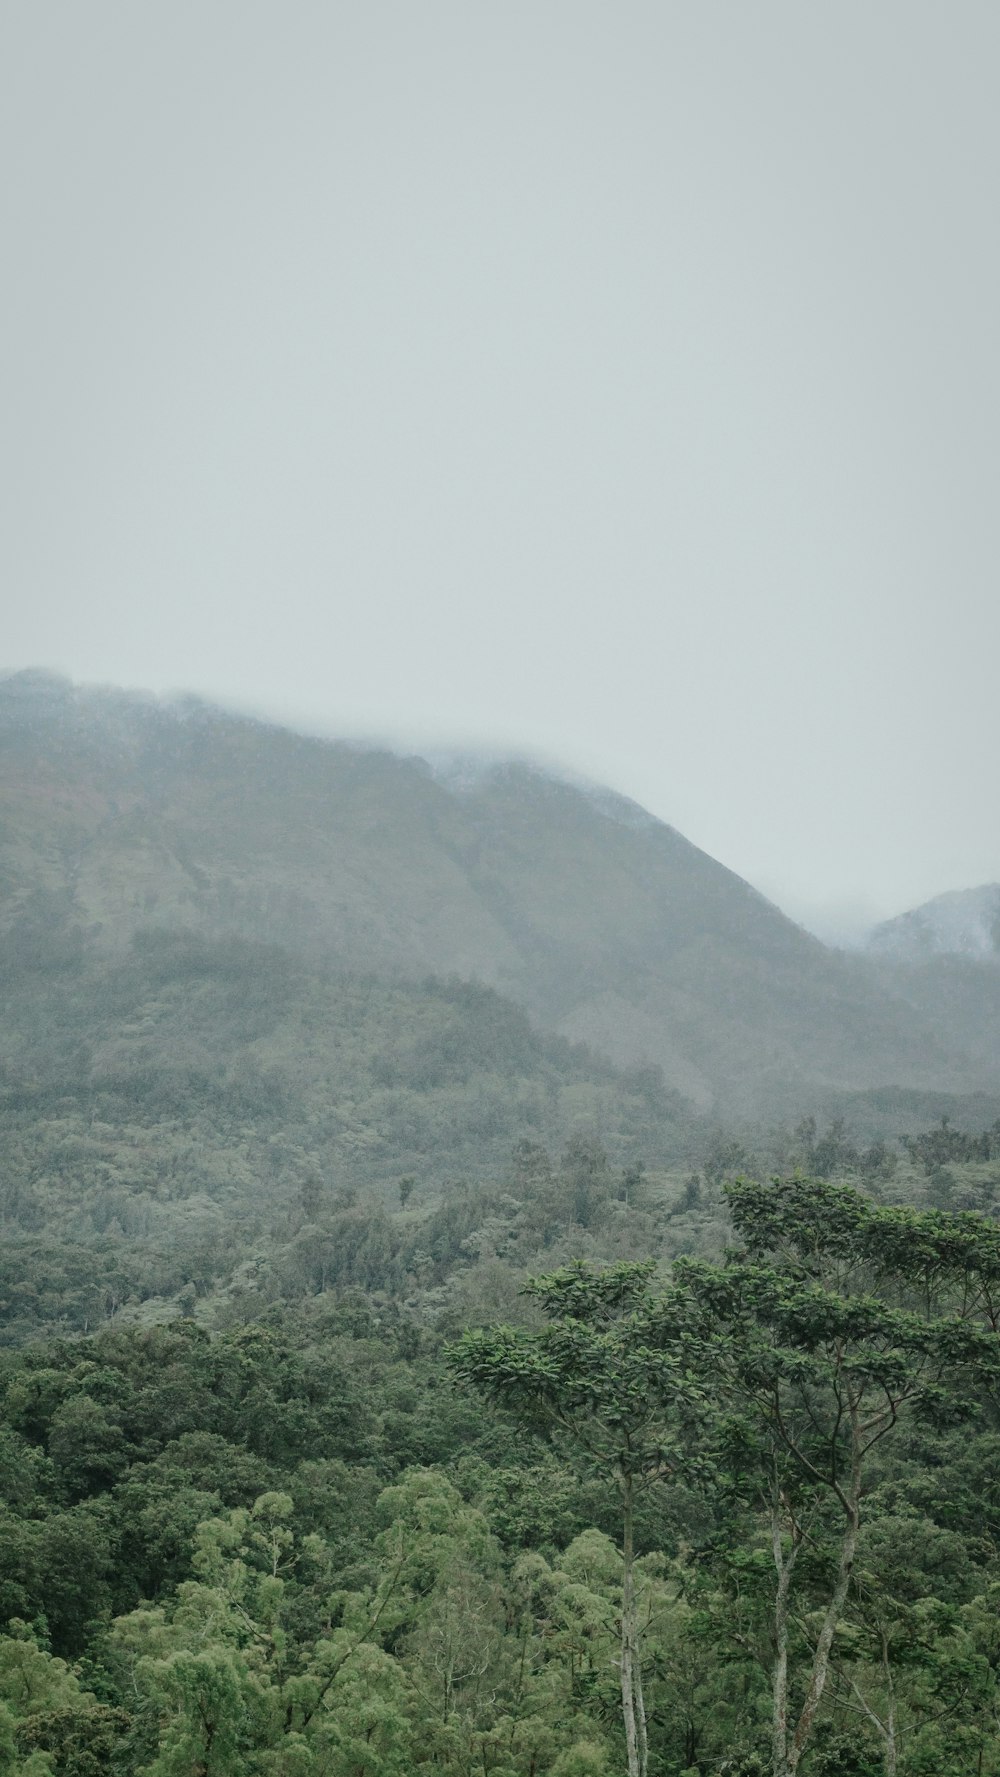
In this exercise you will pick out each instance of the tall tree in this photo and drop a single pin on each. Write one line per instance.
(836, 1322)
(601, 1377)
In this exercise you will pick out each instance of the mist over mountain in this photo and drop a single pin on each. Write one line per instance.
(123, 816)
(963, 923)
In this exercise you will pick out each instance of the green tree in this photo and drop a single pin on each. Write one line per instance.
(895, 1651)
(836, 1322)
(602, 1377)
(48, 1721)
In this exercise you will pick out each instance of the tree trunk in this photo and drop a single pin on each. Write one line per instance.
(628, 1659)
(890, 1718)
(835, 1608)
(640, 1709)
(890, 1742)
(784, 1565)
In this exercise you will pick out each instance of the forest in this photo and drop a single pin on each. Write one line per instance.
(580, 1472)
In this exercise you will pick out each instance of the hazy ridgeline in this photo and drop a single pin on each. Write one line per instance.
(310, 1057)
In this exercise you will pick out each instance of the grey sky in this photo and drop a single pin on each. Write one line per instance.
(619, 382)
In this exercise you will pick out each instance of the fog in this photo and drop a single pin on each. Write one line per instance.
(618, 385)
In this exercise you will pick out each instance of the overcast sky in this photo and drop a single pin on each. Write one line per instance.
(618, 383)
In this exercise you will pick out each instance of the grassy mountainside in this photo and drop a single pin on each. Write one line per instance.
(119, 815)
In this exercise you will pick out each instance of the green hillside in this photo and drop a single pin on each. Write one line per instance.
(191, 1098)
(119, 816)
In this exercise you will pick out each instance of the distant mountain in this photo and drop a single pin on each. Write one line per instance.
(121, 815)
(964, 923)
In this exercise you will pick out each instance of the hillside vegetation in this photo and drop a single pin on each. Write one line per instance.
(306, 1542)
(118, 815)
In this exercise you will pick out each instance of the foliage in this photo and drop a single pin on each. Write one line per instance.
(290, 1542)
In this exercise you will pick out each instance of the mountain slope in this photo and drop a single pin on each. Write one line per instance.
(119, 814)
(964, 923)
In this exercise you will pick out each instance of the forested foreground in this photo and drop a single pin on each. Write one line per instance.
(737, 1517)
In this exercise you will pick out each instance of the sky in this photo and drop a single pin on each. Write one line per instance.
(613, 383)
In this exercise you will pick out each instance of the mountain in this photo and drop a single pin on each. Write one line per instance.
(122, 817)
(964, 923)
(941, 960)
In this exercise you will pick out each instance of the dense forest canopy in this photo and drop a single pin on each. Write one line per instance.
(307, 1541)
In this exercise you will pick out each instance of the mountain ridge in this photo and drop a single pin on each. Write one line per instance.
(122, 813)
(961, 922)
